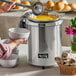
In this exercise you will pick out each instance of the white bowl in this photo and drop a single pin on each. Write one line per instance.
(16, 33)
(10, 62)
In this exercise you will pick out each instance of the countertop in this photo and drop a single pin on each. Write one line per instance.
(25, 69)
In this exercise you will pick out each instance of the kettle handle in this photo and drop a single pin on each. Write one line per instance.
(22, 23)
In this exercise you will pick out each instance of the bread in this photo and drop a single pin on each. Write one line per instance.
(59, 6)
(64, 1)
(67, 7)
(2, 3)
(49, 4)
(73, 6)
(55, 2)
(18, 7)
(18, 1)
(64, 54)
(26, 2)
(58, 60)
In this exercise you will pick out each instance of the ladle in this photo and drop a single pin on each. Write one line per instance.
(37, 8)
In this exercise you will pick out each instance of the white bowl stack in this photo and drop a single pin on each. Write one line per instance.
(12, 61)
(14, 33)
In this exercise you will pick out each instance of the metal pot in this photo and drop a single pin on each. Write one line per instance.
(44, 41)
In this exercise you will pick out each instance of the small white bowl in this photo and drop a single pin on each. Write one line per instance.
(10, 62)
(16, 33)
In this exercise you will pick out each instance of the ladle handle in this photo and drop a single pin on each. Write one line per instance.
(17, 3)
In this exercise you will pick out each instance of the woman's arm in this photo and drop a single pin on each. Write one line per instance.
(14, 43)
(6, 49)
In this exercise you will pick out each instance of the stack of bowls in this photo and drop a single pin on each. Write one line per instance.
(14, 33)
(12, 61)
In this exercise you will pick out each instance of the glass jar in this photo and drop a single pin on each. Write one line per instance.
(73, 43)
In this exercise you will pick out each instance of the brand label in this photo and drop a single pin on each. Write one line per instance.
(43, 55)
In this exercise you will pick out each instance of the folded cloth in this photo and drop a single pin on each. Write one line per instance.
(5, 50)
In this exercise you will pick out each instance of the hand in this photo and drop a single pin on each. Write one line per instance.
(6, 49)
(7, 7)
(14, 43)
(18, 41)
